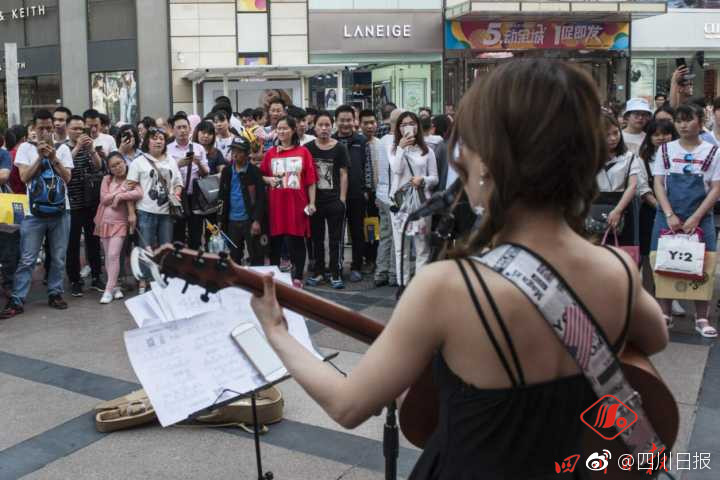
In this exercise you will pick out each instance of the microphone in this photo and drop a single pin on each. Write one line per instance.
(437, 202)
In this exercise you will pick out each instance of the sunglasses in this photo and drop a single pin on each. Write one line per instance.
(155, 130)
(689, 157)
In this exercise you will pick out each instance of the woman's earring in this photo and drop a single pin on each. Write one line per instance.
(481, 182)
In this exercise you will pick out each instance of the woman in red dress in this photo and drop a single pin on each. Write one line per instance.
(291, 196)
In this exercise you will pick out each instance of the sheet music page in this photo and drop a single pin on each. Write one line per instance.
(185, 365)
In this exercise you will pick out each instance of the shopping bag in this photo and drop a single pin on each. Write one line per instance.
(13, 208)
(632, 250)
(685, 289)
(680, 255)
(371, 228)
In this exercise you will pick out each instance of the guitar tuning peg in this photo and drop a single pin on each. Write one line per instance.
(222, 264)
(205, 297)
(185, 287)
(199, 261)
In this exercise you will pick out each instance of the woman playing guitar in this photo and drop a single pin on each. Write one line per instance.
(511, 395)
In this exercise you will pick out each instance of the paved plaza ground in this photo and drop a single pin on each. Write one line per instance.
(55, 366)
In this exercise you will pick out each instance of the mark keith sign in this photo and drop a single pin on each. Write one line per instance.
(22, 13)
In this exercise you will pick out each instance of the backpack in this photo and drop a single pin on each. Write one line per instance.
(47, 192)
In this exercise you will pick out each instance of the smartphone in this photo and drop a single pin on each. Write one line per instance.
(258, 351)
(86, 131)
(98, 148)
(680, 62)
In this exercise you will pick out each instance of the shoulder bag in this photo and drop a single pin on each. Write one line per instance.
(596, 222)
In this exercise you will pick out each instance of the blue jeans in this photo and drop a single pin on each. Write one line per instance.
(32, 233)
(155, 229)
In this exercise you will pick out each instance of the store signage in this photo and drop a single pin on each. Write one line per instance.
(712, 30)
(22, 13)
(536, 35)
(375, 32)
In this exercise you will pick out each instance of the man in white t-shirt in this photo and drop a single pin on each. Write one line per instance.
(103, 143)
(54, 223)
(188, 230)
(637, 114)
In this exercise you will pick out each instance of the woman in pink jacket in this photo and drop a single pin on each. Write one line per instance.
(115, 219)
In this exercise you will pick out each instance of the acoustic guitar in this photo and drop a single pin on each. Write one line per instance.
(419, 409)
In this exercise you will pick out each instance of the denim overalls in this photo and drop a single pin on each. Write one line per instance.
(685, 192)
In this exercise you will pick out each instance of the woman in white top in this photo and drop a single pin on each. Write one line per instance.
(159, 177)
(617, 182)
(411, 161)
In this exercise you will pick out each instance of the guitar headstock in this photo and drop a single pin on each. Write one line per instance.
(208, 270)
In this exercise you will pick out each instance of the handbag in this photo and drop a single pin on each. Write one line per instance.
(13, 207)
(680, 255)
(174, 205)
(206, 195)
(92, 184)
(632, 250)
(402, 193)
(596, 222)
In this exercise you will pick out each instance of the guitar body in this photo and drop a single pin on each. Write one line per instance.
(659, 406)
(418, 412)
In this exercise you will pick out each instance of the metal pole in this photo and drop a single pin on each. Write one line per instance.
(226, 86)
(194, 96)
(12, 83)
(340, 94)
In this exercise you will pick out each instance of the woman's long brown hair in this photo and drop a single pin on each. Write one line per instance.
(535, 123)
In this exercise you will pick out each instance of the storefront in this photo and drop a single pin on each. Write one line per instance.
(398, 56)
(36, 32)
(88, 53)
(659, 44)
(595, 36)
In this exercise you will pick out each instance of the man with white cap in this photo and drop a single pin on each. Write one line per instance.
(637, 114)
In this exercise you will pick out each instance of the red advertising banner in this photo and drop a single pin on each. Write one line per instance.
(536, 35)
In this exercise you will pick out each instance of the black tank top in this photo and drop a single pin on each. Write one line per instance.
(509, 433)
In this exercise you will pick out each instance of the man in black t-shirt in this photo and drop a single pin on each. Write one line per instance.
(360, 184)
(331, 162)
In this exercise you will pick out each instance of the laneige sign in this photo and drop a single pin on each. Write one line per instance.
(375, 32)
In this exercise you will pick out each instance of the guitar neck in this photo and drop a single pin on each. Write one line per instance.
(215, 273)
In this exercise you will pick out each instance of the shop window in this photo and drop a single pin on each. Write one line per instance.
(35, 93)
(252, 5)
(112, 20)
(115, 94)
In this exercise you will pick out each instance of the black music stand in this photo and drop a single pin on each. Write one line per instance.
(256, 428)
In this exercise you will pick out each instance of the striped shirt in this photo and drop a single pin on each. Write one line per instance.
(76, 186)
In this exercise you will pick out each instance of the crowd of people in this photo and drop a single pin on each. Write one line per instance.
(285, 177)
(663, 174)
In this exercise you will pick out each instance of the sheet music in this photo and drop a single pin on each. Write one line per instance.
(185, 364)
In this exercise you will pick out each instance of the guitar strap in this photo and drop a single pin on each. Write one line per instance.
(577, 330)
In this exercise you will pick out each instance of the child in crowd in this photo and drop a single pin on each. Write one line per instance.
(115, 219)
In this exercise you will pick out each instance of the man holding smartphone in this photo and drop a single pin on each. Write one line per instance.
(35, 159)
(87, 160)
(192, 162)
(103, 143)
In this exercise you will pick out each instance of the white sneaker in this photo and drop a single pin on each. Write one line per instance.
(117, 293)
(85, 271)
(107, 297)
(677, 309)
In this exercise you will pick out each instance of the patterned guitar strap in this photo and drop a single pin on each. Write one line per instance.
(589, 347)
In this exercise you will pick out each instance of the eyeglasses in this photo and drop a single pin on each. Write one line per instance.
(689, 157)
(156, 130)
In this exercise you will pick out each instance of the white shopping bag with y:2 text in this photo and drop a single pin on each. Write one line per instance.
(680, 255)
